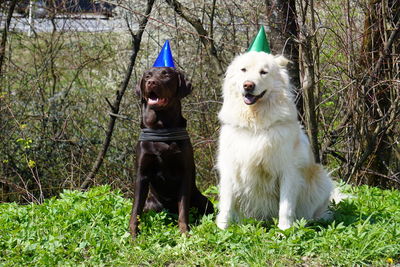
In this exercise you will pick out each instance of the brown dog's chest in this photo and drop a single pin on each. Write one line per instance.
(160, 149)
(150, 118)
(164, 160)
(166, 165)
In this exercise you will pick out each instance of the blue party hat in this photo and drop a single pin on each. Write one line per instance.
(165, 59)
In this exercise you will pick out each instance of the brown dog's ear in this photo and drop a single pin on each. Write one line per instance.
(184, 85)
(138, 88)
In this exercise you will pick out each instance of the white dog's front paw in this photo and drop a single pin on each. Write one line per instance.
(283, 225)
(222, 223)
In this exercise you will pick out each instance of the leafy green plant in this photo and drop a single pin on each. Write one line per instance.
(91, 228)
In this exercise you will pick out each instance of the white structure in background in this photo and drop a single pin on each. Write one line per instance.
(30, 19)
(38, 21)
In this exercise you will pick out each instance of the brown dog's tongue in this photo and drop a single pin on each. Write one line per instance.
(157, 101)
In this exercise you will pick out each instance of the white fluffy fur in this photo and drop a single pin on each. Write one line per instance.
(265, 162)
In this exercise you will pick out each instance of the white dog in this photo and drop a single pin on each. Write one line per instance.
(265, 162)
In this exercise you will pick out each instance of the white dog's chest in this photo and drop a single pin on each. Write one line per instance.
(249, 150)
(256, 182)
(256, 192)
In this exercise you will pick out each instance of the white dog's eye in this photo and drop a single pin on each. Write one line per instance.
(263, 72)
(244, 69)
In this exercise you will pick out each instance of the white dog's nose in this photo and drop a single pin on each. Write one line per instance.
(248, 86)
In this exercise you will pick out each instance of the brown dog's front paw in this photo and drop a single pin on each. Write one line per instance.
(185, 231)
(184, 228)
(134, 234)
(134, 230)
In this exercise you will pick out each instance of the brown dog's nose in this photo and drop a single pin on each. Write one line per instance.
(151, 83)
(248, 86)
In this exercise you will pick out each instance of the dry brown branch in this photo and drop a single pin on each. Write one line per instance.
(5, 33)
(119, 95)
(202, 33)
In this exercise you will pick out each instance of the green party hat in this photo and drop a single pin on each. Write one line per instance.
(260, 43)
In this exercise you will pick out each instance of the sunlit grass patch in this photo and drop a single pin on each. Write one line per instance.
(91, 228)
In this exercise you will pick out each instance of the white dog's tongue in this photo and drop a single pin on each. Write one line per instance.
(249, 99)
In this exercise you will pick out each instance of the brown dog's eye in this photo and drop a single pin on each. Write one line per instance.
(243, 70)
(164, 72)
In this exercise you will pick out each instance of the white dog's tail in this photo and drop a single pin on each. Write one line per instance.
(338, 196)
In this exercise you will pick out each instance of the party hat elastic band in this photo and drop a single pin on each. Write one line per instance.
(165, 59)
(260, 43)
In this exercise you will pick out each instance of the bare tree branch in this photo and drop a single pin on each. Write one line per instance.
(137, 38)
(4, 35)
(384, 54)
(203, 34)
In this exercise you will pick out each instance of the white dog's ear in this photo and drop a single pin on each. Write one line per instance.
(282, 61)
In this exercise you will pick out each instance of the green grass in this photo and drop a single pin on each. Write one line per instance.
(90, 229)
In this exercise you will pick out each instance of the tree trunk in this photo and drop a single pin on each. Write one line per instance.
(284, 33)
(307, 74)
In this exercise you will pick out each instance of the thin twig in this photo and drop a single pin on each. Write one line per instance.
(137, 38)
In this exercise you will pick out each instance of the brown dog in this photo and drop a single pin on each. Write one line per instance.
(164, 154)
